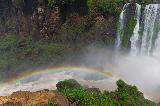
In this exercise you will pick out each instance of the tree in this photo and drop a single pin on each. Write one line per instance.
(71, 83)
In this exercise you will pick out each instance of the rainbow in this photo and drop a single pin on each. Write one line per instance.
(30, 73)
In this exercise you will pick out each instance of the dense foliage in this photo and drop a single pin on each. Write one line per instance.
(103, 7)
(71, 83)
(106, 7)
(76, 20)
(125, 95)
(17, 54)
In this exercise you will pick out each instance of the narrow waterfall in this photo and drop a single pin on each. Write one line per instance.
(129, 11)
(151, 29)
(121, 27)
(135, 37)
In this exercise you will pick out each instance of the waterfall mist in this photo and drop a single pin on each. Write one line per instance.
(141, 65)
(141, 71)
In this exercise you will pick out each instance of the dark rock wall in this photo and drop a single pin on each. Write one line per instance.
(156, 1)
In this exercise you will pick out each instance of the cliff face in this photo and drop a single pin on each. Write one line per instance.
(67, 21)
(40, 98)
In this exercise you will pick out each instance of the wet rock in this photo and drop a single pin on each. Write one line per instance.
(156, 1)
(130, 9)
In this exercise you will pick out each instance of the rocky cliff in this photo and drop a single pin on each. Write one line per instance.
(40, 98)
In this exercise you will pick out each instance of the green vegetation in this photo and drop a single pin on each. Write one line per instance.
(125, 95)
(17, 54)
(106, 7)
(52, 103)
(71, 83)
(78, 23)
(103, 7)
(128, 32)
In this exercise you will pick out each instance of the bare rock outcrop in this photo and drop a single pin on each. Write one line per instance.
(39, 98)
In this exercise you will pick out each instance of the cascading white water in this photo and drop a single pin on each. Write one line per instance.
(121, 26)
(135, 37)
(156, 50)
(157, 45)
(150, 25)
(145, 40)
(147, 43)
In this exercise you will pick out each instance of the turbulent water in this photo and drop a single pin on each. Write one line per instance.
(150, 38)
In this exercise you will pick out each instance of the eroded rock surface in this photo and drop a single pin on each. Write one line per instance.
(39, 98)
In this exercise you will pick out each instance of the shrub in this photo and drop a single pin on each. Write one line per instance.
(71, 83)
(125, 95)
(51, 4)
(8, 42)
(52, 103)
(111, 7)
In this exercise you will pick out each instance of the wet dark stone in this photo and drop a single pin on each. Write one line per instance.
(129, 12)
(156, 1)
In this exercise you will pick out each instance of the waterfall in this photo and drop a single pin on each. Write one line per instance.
(121, 27)
(157, 46)
(125, 17)
(151, 29)
(148, 41)
(135, 37)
